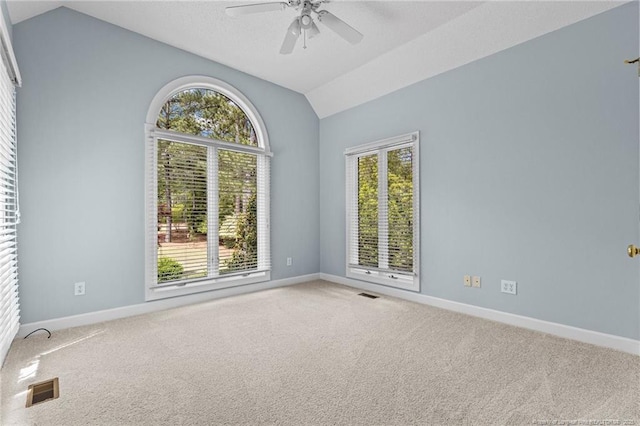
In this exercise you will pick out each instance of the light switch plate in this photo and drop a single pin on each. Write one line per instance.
(476, 282)
(467, 280)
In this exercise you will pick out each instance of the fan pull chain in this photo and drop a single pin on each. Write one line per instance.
(305, 39)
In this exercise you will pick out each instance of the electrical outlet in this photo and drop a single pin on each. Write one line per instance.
(510, 287)
(79, 289)
(476, 282)
(467, 280)
(289, 261)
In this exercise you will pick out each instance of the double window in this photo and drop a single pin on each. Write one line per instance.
(382, 212)
(208, 190)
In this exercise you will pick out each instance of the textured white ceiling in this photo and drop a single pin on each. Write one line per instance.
(405, 41)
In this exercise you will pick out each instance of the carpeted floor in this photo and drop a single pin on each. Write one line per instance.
(312, 354)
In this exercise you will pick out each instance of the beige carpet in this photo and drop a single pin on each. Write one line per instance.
(311, 354)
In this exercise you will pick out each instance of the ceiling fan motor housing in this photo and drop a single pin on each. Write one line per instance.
(305, 15)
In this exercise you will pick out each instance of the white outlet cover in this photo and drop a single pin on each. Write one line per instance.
(509, 287)
(467, 280)
(79, 289)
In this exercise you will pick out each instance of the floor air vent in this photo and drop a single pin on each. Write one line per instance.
(43, 391)
(370, 296)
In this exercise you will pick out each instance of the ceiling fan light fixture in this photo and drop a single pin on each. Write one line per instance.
(306, 21)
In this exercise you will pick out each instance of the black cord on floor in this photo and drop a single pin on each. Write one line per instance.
(38, 329)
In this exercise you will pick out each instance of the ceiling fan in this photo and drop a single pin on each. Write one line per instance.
(302, 24)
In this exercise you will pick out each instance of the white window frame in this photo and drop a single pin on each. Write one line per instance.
(9, 300)
(153, 290)
(381, 275)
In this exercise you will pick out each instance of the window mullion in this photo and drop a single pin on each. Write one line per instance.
(383, 216)
(212, 212)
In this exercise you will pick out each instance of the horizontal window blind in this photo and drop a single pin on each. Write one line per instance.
(238, 210)
(182, 211)
(208, 204)
(9, 307)
(365, 239)
(398, 251)
(382, 231)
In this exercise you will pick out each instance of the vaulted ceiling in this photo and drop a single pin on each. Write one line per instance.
(404, 41)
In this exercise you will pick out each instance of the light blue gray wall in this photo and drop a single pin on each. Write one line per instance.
(529, 169)
(529, 172)
(87, 87)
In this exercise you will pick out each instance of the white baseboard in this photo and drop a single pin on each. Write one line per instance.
(157, 305)
(568, 332)
(587, 336)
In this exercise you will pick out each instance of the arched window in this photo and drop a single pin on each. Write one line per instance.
(207, 178)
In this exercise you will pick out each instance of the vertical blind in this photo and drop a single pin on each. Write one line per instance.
(208, 204)
(9, 308)
(382, 231)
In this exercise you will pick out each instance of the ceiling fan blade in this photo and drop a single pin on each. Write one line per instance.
(293, 32)
(313, 30)
(248, 9)
(340, 27)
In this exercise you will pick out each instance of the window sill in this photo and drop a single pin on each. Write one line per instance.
(402, 282)
(158, 293)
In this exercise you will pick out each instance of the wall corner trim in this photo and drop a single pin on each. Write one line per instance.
(158, 305)
(611, 341)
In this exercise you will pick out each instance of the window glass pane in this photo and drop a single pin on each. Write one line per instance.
(368, 210)
(209, 114)
(182, 211)
(237, 214)
(400, 208)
